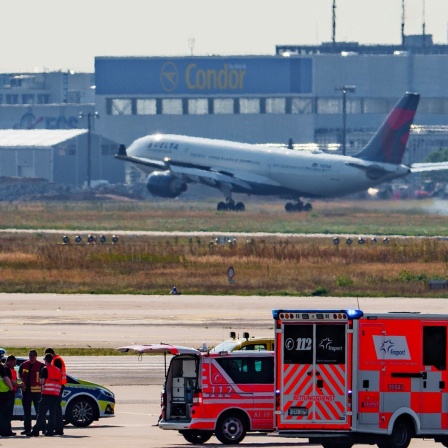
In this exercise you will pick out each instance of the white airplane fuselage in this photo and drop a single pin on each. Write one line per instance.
(268, 170)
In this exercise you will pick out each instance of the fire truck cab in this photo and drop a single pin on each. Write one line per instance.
(343, 377)
(226, 394)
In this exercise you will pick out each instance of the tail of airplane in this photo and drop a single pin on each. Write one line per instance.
(389, 142)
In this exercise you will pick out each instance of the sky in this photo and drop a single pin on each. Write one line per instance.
(38, 35)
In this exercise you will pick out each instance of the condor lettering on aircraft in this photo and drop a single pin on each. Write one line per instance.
(174, 161)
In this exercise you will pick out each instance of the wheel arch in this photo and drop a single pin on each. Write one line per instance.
(405, 414)
(84, 395)
(232, 411)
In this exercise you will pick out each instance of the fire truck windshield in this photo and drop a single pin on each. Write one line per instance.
(226, 346)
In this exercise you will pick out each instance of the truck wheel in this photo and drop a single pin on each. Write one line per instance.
(400, 437)
(231, 429)
(196, 437)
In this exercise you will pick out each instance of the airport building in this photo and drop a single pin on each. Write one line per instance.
(50, 100)
(295, 94)
(70, 157)
(48, 130)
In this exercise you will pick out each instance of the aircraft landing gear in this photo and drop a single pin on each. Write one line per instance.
(298, 206)
(231, 206)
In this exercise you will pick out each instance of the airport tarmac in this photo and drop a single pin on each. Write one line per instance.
(87, 320)
(137, 411)
(112, 321)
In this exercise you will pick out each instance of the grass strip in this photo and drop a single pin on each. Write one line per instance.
(66, 351)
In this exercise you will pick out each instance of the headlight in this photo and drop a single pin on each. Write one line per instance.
(107, 393)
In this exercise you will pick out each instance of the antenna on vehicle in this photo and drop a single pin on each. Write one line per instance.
(357, 300)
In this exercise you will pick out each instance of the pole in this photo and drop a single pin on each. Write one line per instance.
(424, 24)
(403, 18)
(334, 23)
(344, 120)
(351, 89)
(89, 117)
(89, 150)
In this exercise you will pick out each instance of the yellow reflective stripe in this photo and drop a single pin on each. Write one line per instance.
(3, 386)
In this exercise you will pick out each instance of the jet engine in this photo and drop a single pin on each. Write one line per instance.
(165, 185)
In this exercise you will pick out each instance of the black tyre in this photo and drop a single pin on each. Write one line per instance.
(298, 206)
(231, 429)
(400, 437)
(222, 206)
(289, 207)
(239, 207)
(307, 207)
(81, 411)
(196, 437)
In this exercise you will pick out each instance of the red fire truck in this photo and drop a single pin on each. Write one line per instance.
(223, 393)
(344, 377)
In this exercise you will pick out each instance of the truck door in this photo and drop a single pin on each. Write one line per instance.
(433, 382)
(231, 385)
(181, 381)
(315, 374)
(403, 365)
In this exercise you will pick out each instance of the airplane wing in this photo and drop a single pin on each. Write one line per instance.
(414, 168)
(373, 171)
(421, 167)
(191, 173)
(157, 164)
(206, 176)
(366, 166)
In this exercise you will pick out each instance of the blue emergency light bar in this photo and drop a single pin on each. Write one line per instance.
(317, 314)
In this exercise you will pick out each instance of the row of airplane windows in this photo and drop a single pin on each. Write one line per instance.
(269, 105)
